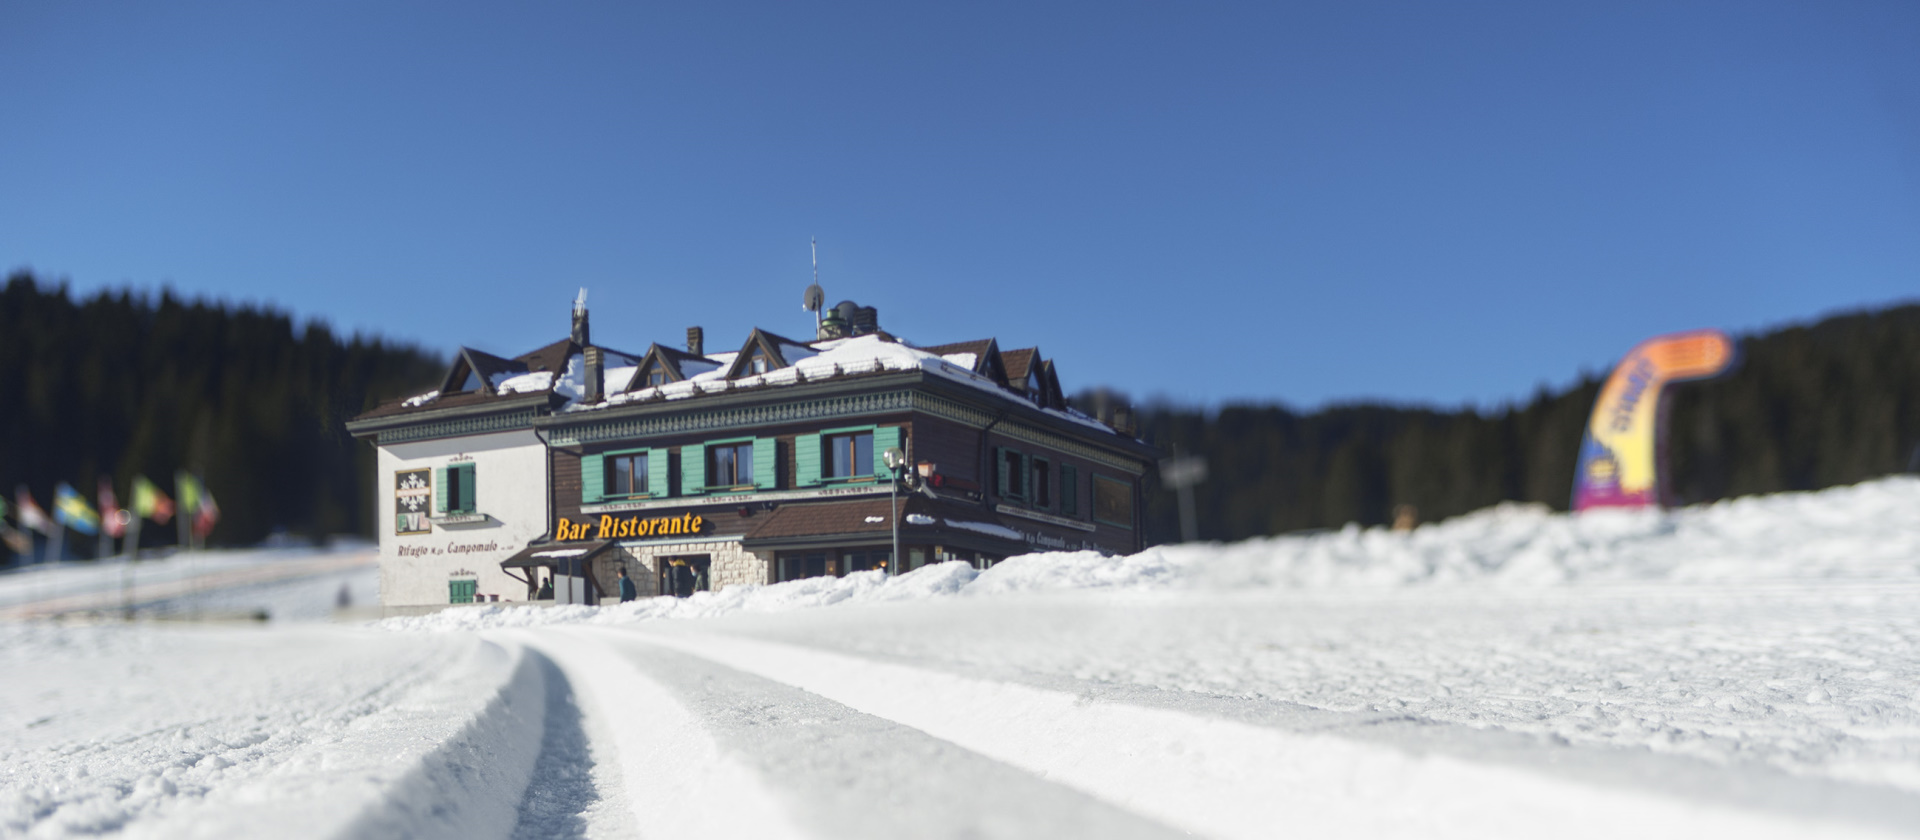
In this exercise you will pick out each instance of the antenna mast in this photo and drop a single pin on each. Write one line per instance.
(815, 299)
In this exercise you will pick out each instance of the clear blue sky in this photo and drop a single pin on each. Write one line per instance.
(1425, 202)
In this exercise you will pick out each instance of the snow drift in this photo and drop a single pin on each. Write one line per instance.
(1868, 532)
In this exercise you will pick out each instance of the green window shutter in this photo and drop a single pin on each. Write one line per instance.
(1026, 476)
(1000, 469)
(806, 461)
(884, 438)
(1069, 490)
(1040, 485)
(765, 464)
(657, 473)
(693, 469)
(440, 490)
(593, 479)
(466, 487)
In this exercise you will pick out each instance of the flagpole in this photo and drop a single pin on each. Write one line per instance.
(131, 547)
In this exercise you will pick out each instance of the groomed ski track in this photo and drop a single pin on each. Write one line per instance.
(718, 735)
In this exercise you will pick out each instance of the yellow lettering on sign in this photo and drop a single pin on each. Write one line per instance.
(612, 527)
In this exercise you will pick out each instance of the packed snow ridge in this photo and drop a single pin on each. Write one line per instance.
(1867, 532)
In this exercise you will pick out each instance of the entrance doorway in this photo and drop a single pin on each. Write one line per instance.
(701, 564)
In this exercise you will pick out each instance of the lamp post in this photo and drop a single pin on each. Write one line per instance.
(895, 460)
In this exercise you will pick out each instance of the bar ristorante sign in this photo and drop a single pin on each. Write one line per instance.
(618, 527)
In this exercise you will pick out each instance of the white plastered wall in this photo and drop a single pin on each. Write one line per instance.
(510, 486)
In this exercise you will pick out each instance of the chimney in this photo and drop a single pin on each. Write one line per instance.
(696, 341)
(596, 366)
(580, 334)
(1103, 406)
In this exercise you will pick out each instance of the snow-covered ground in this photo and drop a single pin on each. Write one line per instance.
(1750, 668)
(278, 584)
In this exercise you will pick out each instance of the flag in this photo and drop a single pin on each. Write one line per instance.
(110, 513)
(30, 515)
(209, 513)
(70, 509)
(13, 539)
(186, 488)
(149, 503)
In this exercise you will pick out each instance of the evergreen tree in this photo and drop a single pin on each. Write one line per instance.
(121, 384)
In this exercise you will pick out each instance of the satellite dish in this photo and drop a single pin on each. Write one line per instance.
(814, 299)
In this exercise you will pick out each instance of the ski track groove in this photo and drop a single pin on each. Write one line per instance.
(1207, 774)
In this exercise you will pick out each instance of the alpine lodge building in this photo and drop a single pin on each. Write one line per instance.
(543, 475)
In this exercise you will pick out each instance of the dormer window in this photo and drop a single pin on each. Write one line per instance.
(757, 362)
(656, 375)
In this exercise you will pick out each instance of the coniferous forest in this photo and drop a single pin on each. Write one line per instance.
(1813, 406)
(119, 384)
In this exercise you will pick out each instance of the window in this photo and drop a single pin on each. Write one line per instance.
(1012, 473)
(1112, 501)
(837, 455)
(656, 375)
(626, 475)
(454, 496)
(862, 561)
(757, 361)
(1042, 483)
(795, 565)
(849, 455)
(730, 464)
(1069, 490)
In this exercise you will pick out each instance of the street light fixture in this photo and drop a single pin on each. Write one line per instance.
(895, 460)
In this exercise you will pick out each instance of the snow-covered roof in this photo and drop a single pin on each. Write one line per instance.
(822, 360)
(559, 369)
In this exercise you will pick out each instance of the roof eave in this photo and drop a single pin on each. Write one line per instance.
(366, 428)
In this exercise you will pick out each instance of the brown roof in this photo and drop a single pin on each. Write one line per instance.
(977, 348)
(850, 517)
(460, 400)
(841, 517)
(574, 551)
(1017, 362)
(552, 357)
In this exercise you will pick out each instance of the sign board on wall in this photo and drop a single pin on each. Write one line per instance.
(412, 501)
(615, 527)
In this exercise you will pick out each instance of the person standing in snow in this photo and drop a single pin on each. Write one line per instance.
(627, 592)
(680, 578)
